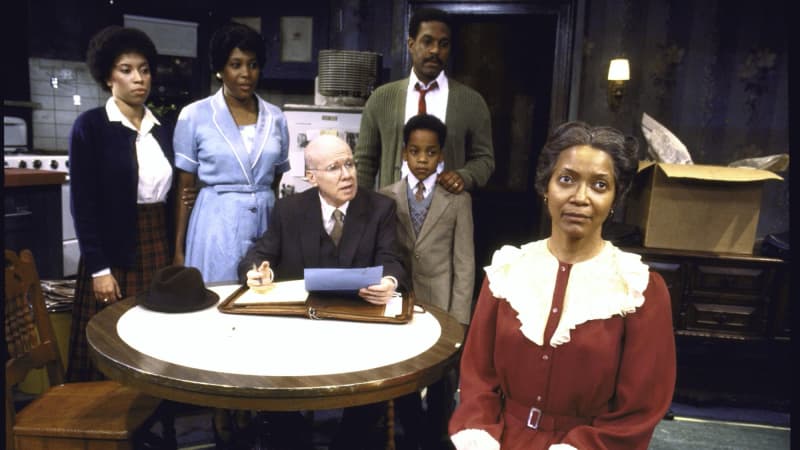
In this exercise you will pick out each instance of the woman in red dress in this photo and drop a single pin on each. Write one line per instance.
(571, 343)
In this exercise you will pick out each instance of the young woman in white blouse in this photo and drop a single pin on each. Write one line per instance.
(121, 177)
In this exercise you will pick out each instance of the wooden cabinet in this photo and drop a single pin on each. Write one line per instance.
(732, 322)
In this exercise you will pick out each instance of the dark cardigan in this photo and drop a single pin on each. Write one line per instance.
(103, 180)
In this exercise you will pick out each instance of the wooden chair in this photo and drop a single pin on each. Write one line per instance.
(91, 415)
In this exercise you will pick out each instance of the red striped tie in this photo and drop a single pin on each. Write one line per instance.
(421, 109)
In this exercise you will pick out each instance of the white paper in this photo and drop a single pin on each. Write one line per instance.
(281, 292)
(394, 307)
(662, 145)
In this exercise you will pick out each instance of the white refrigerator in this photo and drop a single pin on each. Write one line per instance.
(306, 122)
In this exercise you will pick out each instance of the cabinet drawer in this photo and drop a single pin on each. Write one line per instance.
(741, 320)
(739, 280)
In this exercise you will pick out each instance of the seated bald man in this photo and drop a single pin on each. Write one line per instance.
(302, 231)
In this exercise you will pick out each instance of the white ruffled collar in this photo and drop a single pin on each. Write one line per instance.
(611, 283)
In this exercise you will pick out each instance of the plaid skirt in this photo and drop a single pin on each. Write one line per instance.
(152, 253)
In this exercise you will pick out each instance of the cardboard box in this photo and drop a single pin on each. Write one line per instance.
(697, 207)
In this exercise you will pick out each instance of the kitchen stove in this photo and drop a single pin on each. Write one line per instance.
(40, 161)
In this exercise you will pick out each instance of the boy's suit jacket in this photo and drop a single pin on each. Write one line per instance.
(292, 240)
(441, 260)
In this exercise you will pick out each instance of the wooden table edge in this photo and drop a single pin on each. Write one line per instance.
(115, 359)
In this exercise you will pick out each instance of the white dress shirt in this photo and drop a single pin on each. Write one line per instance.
(435, 100)
(435, 105)
(155, 171)
(327, 222)
(429, 183)
(327, 213)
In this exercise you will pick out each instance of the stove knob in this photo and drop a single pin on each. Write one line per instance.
(23, 165)
(66, 163)
(5, 163)
(37, 164)
(53, 164)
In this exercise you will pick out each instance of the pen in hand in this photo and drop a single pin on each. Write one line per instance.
(260, 278)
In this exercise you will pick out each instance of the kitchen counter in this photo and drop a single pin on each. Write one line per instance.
(32, 177)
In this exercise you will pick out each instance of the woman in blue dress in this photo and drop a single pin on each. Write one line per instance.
(234, 146)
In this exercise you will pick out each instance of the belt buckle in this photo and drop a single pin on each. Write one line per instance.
(534, 416)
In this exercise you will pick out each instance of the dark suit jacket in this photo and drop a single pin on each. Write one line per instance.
(104, 178)
(292, 240)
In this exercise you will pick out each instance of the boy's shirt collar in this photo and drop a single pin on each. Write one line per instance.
(404, 170)
(429, 183)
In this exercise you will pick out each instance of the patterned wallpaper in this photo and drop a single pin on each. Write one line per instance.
(714, 72)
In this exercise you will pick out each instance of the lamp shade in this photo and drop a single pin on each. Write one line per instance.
(619, 70)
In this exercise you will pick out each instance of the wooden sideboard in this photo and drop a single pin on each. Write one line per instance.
(732, 322)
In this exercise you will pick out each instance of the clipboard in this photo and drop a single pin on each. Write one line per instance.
(331, 306)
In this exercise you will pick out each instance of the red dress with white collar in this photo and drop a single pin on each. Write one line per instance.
(562, 356)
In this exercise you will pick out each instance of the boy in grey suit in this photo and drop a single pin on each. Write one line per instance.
(436, 242)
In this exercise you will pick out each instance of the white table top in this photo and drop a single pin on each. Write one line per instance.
(273, 345)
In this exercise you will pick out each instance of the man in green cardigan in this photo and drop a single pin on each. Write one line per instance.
(468, 152)
(467, 164)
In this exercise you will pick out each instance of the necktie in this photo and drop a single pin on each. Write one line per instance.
(338, 225)
(420, 193)
(422, 91)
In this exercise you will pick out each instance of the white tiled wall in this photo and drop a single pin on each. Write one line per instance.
(53, 121)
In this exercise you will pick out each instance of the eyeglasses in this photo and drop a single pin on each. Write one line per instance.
(332, 168)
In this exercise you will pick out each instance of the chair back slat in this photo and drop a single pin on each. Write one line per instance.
(21, 335)
(29, 333)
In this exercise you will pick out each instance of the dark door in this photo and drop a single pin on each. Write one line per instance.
(487, 55)
(519, 57)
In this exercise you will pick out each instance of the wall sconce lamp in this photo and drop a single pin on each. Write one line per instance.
(619, 72)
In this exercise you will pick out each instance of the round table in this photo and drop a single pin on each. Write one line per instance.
(250, 391)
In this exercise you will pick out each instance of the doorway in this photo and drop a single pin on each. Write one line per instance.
(519, 58)
(486, 56)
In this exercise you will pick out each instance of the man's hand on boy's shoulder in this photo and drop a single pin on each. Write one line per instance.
(451, 181)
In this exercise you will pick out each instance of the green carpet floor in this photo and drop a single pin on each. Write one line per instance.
(687, 433)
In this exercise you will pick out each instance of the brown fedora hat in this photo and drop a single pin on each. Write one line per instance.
(177, 289)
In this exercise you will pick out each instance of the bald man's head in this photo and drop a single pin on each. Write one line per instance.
(330, 167)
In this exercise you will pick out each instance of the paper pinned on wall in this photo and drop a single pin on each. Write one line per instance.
(662, 145)
(296, 38)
